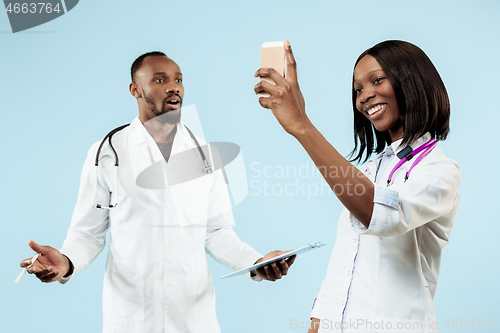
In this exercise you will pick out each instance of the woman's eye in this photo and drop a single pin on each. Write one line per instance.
(377, 80)
(357, 91)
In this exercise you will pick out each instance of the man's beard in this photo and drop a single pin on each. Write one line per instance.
(164, 115)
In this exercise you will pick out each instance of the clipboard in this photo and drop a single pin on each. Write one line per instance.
(308, 247)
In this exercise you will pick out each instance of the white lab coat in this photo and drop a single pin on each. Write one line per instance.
(383, 278)
(157, 278)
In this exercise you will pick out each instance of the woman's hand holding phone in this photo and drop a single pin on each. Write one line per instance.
(285, 100)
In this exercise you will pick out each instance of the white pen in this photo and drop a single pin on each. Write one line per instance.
(26, 268)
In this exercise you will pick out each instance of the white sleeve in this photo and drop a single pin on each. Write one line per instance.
(221, 241)
(225, 247)
(87, 233)
(430, 193)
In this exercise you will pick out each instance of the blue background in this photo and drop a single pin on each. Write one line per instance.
(64, 85)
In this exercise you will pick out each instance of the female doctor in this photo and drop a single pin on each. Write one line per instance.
(398, 214)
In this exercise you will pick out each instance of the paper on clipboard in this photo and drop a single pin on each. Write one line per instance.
(306, 248)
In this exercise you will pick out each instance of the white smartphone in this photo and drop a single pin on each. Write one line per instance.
(272, 56)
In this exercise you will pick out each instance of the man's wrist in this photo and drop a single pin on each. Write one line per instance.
(252, 274)
(71, 268)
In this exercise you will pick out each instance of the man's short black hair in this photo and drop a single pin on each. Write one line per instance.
(138, 62)
(421, 95)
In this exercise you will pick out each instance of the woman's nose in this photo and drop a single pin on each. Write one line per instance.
(366, 95)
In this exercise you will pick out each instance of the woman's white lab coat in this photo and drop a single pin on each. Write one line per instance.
(157, 278)
(383, 278)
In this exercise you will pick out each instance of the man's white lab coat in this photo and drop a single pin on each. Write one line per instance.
(157, 278)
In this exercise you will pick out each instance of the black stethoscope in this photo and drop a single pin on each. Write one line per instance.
(207, 168)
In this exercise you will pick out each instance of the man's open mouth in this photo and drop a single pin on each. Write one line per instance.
(173, 102)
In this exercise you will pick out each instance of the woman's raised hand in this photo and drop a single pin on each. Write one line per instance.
(285, 100)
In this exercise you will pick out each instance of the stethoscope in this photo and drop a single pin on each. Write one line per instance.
(207, 168)
(408, 153)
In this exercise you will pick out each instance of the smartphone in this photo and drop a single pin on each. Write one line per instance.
(272, 56)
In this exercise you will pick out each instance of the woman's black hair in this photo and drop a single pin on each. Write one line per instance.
(421, 95)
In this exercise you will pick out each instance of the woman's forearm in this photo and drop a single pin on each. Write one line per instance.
(350, 185)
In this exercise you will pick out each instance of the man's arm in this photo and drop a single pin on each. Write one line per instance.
(86, 235)
(224, 245)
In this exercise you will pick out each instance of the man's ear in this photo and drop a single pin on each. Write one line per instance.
(134, 90)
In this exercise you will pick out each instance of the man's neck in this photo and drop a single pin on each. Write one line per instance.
(160, 132)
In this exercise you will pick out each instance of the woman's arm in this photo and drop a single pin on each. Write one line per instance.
(351, 186)
(314, 325)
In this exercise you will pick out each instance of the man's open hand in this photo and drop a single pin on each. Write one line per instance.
(50, 266)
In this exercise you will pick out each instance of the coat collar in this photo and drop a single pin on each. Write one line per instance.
(371, 167)
(396, 145)
(182, 140)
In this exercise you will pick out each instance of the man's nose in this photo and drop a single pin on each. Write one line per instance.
(172, 88)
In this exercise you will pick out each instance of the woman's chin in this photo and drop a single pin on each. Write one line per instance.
(394, 129)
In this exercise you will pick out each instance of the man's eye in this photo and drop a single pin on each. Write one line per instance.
(160, 80)
(178, 80)
(358, 91)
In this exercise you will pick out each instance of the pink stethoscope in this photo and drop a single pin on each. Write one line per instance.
(408, 153)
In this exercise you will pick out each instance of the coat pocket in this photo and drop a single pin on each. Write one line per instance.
(123, 296)
(203, 289)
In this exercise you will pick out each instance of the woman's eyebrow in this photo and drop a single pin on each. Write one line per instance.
(373, 71)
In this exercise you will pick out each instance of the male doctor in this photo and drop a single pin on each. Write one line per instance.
(166, 213)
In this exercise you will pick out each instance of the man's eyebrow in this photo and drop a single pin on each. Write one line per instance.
(375, 70)
(176, 73)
